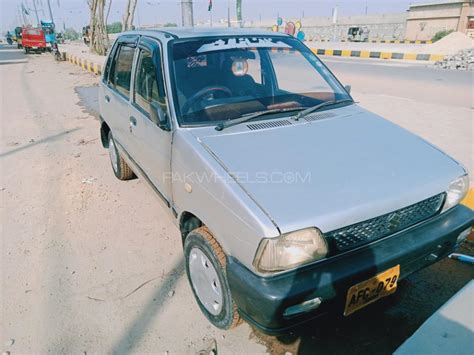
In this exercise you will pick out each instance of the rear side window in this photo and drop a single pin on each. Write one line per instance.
(121, 72)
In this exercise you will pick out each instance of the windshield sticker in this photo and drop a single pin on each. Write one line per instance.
(197, 61)
(246, 42)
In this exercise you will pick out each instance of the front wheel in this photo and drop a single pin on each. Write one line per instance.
(206, 271)
(26, 50)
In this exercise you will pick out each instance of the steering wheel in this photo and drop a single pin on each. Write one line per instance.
(203, 93)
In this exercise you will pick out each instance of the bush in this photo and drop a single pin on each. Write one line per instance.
(71, 34)
(114, 27)
(170, 24)
(441, 34)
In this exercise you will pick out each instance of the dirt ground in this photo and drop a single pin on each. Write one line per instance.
(90, 264)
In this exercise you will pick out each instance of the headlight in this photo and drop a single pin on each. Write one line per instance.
(457, 190)
(290, 250)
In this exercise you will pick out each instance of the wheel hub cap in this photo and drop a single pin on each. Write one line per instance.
(113, 154)
(205, 281)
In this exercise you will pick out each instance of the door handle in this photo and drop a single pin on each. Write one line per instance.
(133, 123)
(107, 98)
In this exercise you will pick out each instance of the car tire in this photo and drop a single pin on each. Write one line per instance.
(26, 50)
(206, 271)
(120, 167)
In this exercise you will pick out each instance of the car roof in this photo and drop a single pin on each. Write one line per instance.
(196, 32)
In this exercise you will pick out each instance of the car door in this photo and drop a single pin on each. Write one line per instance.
(151, 144)
(115, 97)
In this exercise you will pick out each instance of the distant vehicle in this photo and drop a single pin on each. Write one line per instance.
(86, 34)
(292, 201)
(358, 34)
(17, 37)
(59, 38)
(33, 39)
(49, 33)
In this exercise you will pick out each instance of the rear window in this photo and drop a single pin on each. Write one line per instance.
(33, 32)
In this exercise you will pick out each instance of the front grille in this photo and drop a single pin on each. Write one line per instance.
(364, 232)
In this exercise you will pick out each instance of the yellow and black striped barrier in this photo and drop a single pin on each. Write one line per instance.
(378, 55)
(393, 41)
(84, 64)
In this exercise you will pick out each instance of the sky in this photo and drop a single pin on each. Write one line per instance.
(75, 14)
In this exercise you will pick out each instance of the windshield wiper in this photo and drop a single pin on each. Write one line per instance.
(319, 106)
(251, 116)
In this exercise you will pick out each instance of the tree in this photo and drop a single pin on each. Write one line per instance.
(129, 14)
(114, 27)
(99, 38)
(71, 34)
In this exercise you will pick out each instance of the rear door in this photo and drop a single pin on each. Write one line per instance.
(151, 144)
(115, 95)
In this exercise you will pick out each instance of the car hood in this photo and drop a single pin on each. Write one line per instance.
(332, 172)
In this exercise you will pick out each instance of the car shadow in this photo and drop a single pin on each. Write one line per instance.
(39, 141)
(138, 328)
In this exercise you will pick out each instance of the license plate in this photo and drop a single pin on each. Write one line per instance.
(371, 290)
(34, 47)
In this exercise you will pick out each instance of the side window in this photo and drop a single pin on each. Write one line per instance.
(121, 71)
(149, 85)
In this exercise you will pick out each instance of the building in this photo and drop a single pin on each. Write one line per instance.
(424, 20)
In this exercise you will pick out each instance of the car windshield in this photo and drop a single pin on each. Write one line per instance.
(219, 79)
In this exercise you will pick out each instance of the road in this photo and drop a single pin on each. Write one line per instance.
(10, 54)
(92, 264)
(414, 81)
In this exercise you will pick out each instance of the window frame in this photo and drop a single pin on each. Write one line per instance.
(154, 47)
(129, 41)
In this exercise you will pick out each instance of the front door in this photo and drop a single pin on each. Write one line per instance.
(151, 144)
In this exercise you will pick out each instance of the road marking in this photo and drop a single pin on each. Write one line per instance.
(13, 61)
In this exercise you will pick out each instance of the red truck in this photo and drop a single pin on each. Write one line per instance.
(33, 39)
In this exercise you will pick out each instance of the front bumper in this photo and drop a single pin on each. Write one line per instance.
(262, 300)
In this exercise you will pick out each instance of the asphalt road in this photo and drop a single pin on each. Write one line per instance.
(414, 81)
(9, 54)
(91, 264)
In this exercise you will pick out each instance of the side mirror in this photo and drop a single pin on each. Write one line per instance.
(348, 88)
(159, 116)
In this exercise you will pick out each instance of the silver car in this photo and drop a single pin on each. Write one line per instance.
(292, 200)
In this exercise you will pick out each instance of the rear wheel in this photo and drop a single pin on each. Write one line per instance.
(206, 271)
(120, 167)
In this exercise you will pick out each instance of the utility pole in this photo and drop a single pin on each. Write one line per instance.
(187, 13)
(36, 13)
(334, 21)
(228, 13)
(50, 11)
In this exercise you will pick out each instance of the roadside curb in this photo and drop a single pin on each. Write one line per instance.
(378, 55)
(85, 64)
